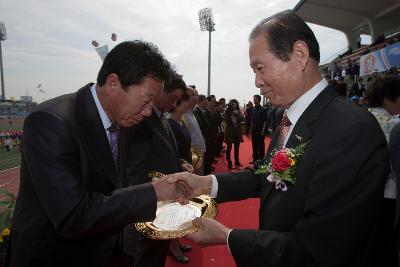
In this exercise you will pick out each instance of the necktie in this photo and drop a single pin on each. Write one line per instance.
(114, 135)
(284, 127)
(164, 122)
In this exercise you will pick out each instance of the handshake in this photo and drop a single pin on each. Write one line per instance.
(181, 187)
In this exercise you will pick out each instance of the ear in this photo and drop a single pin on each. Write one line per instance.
(301, 54)
(112, 84)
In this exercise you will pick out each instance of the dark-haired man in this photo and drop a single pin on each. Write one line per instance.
(208, 132)
(71, 204)
(258, 128)
(155, 149)
(330, 215)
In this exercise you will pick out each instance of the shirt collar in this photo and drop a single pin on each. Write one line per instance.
(380, 110)
(300, 105)
(157, 111)
(103, 115)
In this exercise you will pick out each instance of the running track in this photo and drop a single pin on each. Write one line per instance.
(9, 179)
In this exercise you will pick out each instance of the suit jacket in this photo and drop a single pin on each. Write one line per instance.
(331, 215)
(152, 150)
(71, 205)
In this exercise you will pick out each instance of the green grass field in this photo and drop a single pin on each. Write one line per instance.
(13, 158)
(14, 127)
(9, 159)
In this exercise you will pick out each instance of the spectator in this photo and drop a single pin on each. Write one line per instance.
(233, 131)
(247, 116)
(257, 129)
(383, 97)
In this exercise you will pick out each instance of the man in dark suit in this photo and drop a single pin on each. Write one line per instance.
(73, 200)
(200, 112)
(154, 149)
(258, 129)
(330, 216)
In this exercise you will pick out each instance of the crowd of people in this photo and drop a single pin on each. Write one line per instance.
(87, 157)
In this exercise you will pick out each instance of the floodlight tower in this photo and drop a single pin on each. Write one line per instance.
(206, 20)
(3, 37)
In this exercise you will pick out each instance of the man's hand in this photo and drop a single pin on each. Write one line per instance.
(211, 232)
(187, 167)
(199, 185)
(169, 188)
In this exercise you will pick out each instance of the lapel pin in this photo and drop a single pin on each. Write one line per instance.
(299, 137)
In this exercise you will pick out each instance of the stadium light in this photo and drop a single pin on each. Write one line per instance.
(3, 37)
(206, 21)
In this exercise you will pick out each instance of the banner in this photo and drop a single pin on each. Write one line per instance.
(380, 60)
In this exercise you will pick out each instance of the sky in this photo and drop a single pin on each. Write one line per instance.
(49, 42)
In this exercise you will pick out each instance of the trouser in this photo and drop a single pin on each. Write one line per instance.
(151, 253)
(257, 141)
(236, 152)
(389, 254)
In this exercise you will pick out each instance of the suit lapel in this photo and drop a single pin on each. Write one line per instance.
(267, 189)
(156, 124)
(302, 131)
(92, 130)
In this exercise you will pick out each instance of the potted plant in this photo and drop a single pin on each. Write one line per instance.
(7, 204)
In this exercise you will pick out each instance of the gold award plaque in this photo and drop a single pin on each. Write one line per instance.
(174, 220)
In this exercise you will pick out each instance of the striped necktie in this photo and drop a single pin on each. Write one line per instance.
(164, 123)
(114, 136)
(284, 128)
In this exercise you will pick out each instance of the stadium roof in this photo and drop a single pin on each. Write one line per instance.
(353, 17)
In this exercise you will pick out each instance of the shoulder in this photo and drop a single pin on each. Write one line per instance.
(345, 113)
(61, 108)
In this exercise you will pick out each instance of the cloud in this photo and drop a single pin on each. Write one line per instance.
(49, 42)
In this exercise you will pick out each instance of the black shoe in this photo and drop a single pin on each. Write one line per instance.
(185, 248)
(230, 165)
(251, 162)
(238, 164)
(180, 258)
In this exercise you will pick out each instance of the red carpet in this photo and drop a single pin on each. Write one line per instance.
(243, 214)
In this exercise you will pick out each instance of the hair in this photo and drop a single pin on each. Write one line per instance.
(258, 97)
(282, 30)
(210, 98)
(202, 98)
(175, 82)
(221, 99)
(341, 88)
(132, 61)
(185, 98)
(229, 109)
(193, 86)
(381, 88)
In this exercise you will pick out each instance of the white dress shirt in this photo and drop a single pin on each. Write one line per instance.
(103, 115)
(301, 104)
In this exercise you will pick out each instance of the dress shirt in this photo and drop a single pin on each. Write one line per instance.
(195, 133)
(294, 112)
(387, 123)
(301, 104)
(103, 115)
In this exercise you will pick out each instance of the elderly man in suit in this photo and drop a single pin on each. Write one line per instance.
(330, 216)
(73, 198)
